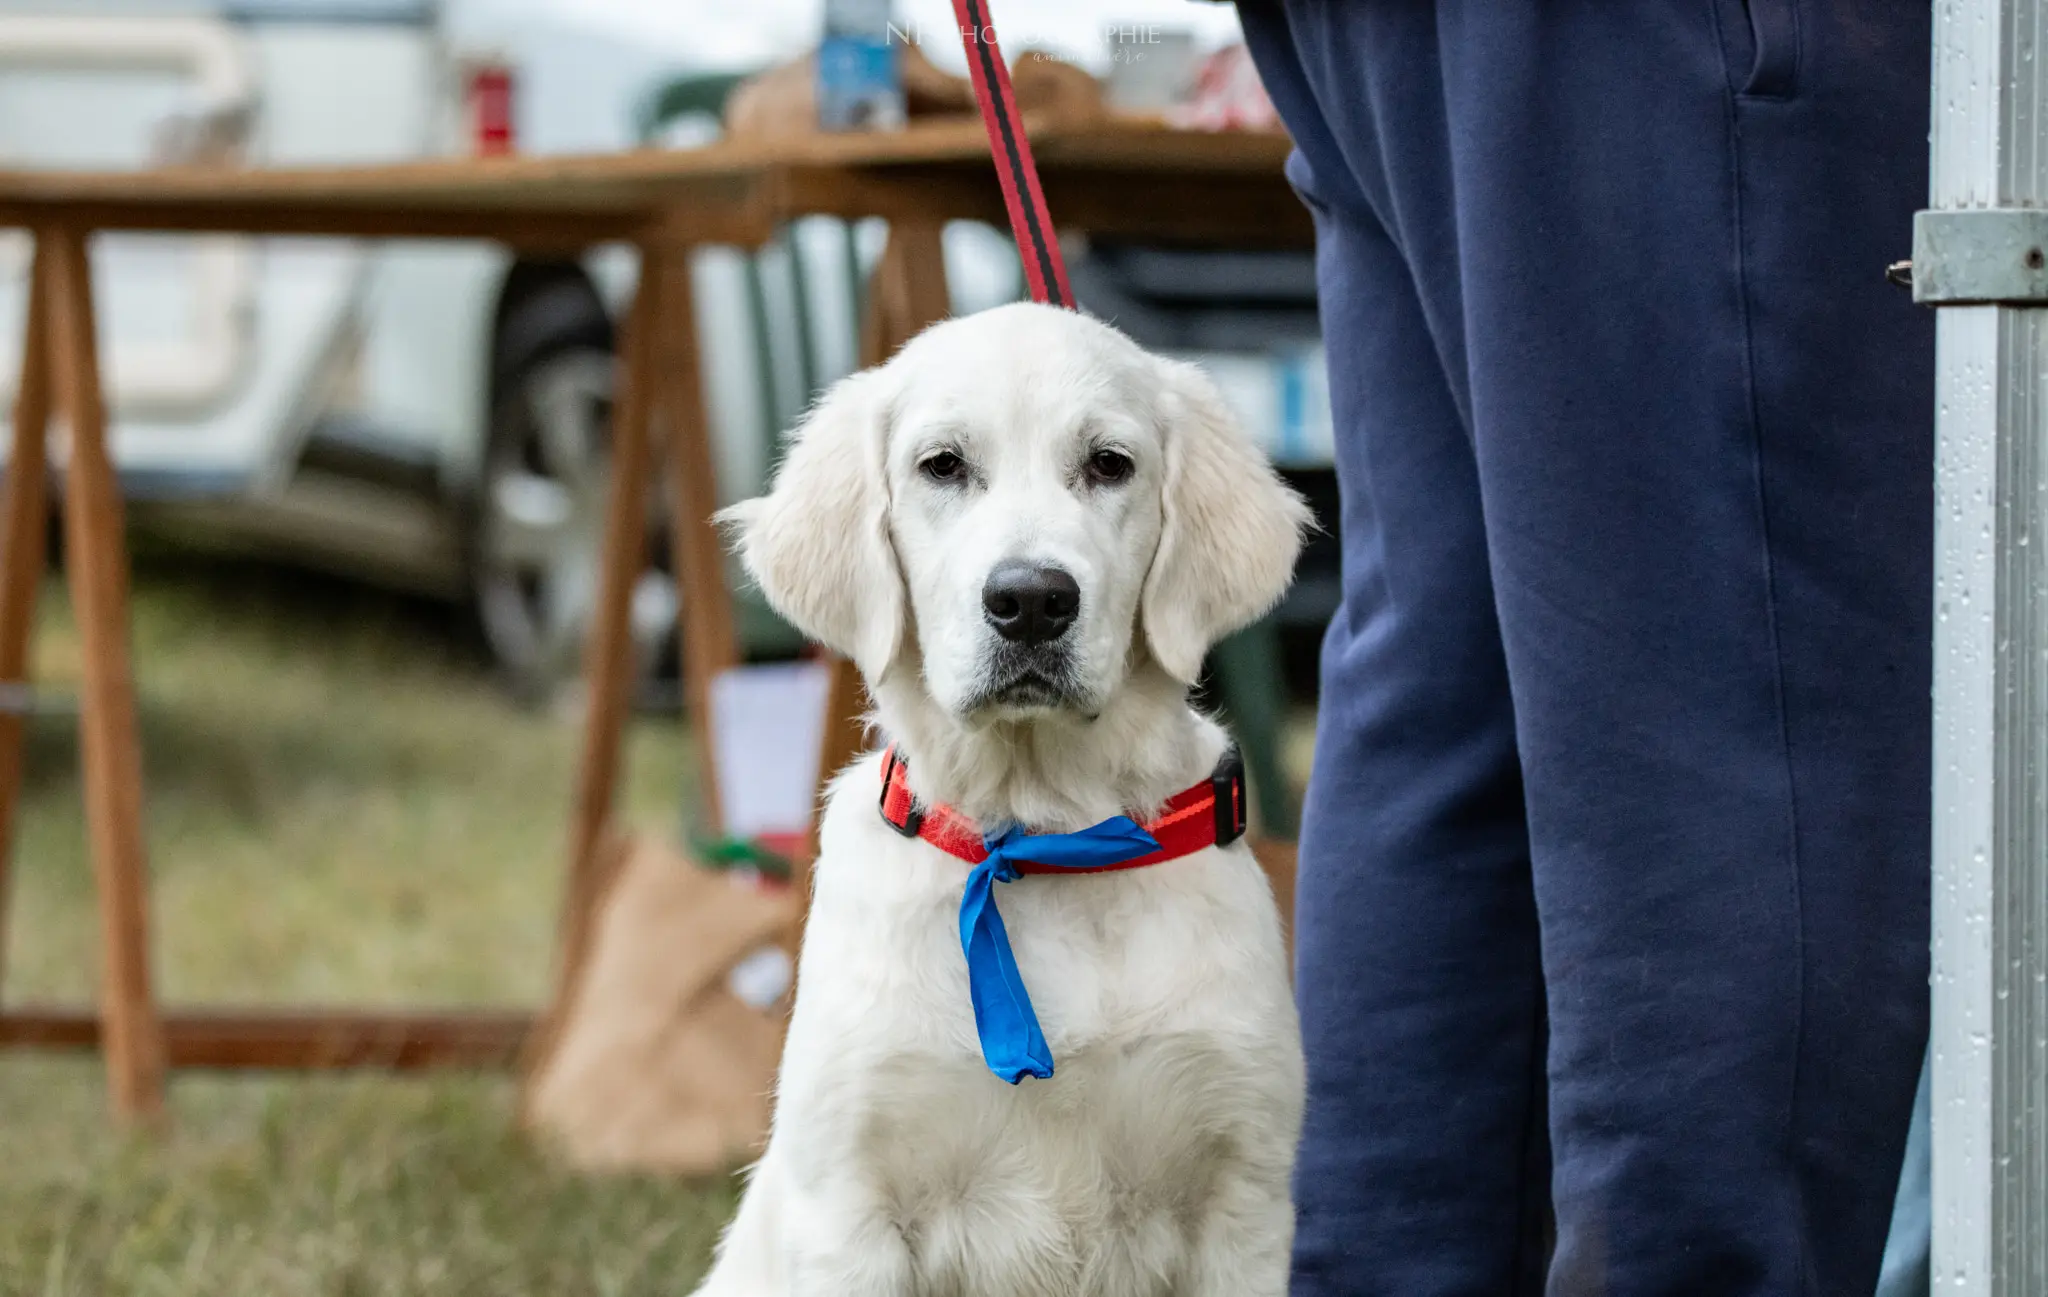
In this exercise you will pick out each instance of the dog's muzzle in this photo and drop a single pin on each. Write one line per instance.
(1040, 676)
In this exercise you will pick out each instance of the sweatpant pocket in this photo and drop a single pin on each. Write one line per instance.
(1760, 40)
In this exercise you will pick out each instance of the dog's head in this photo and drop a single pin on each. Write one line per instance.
(1021, 506)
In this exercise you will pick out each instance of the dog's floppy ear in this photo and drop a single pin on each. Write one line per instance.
(1231, 529)
(818, 542)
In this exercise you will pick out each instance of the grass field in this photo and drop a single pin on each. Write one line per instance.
(341, 807)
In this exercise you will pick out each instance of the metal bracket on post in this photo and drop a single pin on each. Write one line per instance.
(1985, 256)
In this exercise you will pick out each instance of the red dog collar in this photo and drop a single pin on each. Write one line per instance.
(1210, 814)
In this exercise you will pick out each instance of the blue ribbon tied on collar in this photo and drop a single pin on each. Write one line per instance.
(1011, 1042)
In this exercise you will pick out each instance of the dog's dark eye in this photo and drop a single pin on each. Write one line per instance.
(945, 466)
(1109, 467)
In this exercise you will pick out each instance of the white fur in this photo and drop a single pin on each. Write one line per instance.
(1156, 1161)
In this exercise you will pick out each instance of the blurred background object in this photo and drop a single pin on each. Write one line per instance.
(488, 82)
(1226, 96)
(858, 86)
(784, 100)
(1150, 70)
(428, 416)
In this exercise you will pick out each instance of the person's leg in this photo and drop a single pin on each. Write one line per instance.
(1708, 474)
(1701, 427)
(1422, 1167)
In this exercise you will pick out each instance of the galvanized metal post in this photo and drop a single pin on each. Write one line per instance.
(1981, 254)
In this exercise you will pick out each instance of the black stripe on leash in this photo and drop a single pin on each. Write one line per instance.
(996, 109)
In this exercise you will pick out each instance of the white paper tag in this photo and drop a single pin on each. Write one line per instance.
(768, 723)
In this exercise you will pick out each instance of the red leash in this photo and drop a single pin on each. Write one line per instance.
(1031, 224)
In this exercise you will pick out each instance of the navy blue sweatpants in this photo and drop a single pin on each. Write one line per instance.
(1613, 892)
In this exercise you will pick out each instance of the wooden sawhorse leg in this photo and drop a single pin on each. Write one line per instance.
(24, 521)
(710, 643)
(659, 373)
(608, 655)
(97, 567)
(661, 368)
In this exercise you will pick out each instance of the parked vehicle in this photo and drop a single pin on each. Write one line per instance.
(428, 414)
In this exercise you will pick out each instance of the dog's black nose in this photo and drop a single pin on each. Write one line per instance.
(1030, 603)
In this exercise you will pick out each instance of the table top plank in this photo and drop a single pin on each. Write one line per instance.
(622, 182)
(723, 192)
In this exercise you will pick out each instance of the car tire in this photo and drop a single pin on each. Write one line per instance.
(537, 517)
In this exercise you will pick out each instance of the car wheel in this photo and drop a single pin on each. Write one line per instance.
(538, 533)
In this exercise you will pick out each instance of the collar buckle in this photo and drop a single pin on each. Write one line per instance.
(1228, 783)
(899, 806)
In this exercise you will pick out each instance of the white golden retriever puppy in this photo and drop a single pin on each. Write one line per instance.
(1026, 532)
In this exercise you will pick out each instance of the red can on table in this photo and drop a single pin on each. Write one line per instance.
(490, 107)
